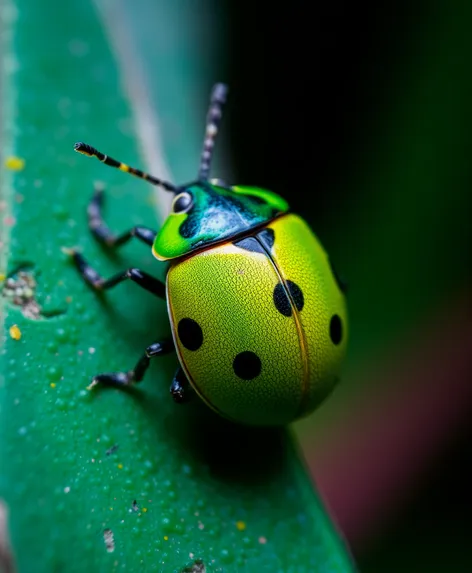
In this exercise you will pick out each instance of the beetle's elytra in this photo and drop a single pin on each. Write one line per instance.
(257, 313)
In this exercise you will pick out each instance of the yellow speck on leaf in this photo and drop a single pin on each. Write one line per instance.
(111, 509)
(240, 525)
(166, 538)
(120, 466)
(15, 332)
(144, 509)
(14, 163)
(53, 384)
(3, 276)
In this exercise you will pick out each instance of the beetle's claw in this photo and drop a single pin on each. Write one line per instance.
(118, 380)
(69, 251)
(92, 384)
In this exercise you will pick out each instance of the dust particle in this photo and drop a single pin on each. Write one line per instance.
(14, 163)
(15, 332)
(109, 539)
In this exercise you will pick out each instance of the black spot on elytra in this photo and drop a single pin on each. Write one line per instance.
(296, 294)
(342, 285)
(336, 329)
(281, 300)
(250, 244)
(247, 365)
(267, 238)
(190, 333)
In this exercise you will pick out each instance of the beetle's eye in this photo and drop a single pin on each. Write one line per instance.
(182, 203)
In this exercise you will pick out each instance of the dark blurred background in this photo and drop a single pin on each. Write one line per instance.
(360, 114)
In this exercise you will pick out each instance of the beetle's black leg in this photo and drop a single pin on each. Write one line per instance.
(90, 275)
(102, 232)
(180, 388)
(123, 379)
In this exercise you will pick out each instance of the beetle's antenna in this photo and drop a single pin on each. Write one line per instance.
(215, 111)
(86, 149)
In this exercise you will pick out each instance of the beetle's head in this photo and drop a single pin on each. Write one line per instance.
(206, 211)
(209, 211)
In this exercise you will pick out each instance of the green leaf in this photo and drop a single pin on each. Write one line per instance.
(109, 480)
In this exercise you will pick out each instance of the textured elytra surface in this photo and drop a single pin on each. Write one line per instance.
(303, 259)
(258, 349)
(232, 302)
(110, 480)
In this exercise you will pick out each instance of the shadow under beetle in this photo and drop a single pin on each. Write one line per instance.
(257, 312)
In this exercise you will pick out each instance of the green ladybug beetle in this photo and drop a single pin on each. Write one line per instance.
(257, 312)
